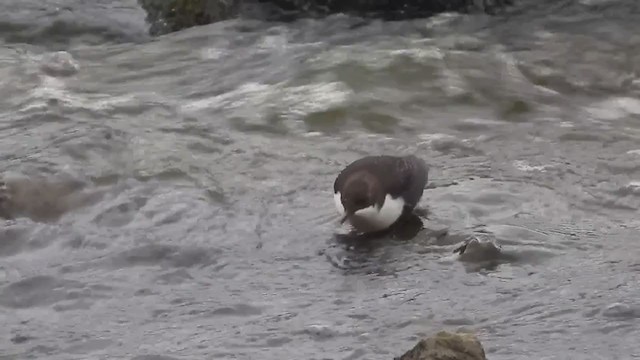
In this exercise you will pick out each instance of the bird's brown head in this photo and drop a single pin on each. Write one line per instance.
(360, 191)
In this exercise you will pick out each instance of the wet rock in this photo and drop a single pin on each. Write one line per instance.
(621, 311)
(37, 291)
(320, 331)
(449, 144)
(401, 9)
(478, 249)
(446, 346)
(165, 16)
(59, 64)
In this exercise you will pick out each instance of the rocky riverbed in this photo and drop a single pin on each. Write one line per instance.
(177, 189)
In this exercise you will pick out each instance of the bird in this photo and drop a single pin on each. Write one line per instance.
(373, 192)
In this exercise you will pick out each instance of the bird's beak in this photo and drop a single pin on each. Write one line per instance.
(345, 217)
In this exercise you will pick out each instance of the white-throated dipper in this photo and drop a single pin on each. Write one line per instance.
(374, 191)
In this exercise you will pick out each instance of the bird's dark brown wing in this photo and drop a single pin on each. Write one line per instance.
(416, 173)
(400, 176)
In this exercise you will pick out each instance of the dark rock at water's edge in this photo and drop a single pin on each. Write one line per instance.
(166, 16)
(386, 9)
(446, 346)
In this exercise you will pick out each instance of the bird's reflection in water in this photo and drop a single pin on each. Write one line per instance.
(370, 252)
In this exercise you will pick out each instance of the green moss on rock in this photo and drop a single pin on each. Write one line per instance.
(397, 9)
(166, 16)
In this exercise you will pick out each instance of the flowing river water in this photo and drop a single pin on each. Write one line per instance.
(171, 197)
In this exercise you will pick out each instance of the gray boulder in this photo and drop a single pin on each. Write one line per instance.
(446, 346)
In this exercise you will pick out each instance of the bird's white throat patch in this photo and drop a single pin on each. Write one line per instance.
(384, 217)
(372, 218)
(337, 199)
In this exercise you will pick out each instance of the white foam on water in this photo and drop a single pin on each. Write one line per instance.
(634, 184)
(594, 2)
(251, 92)
(312, 134)
(524, 166)
(377, 59)
(615, 108)
(481, 121)
(251, 98)
(273, 42)
(303, 100)
(429, 138)
(213, 53)
(53, 88)
(420, 53)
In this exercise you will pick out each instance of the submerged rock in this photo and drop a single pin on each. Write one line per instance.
(446, 346)
(42, 199)
(59, 64)
(166, 16)
(478, 249)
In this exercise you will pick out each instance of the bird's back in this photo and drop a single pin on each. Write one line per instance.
(399, 176)
(416, 173)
